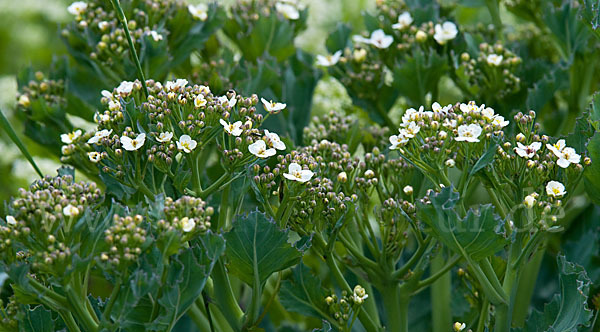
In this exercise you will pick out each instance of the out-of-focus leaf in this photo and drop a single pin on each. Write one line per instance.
(543, 91)
(419, 75)
(569, 32)
(592, 172)
(302, 293)
(476, 236)
(13, 137)
(339, 38)
(582, 242)
(568, 311)
(249, 257)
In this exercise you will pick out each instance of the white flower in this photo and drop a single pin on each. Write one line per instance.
(165, 137)
(499, 121)
(271, 106)
(187, 224)
(555, 189)
(199, 101)
(94, 156)
(234, 129)
(557, 147)
(494, 60)
(404, 21)
(133, 144)
(530, 200)
(231, 102)
(204, 89)
(70, 137)
(527, 151)
(468, 133)
(155, 35)
(103, 25)
(176, 85)
(380, 40)
(567, 157)
(445, 32)
(329, 60)
(24, 101)
(360, 39)
(259, 149)
(408, 190)
(450, 163)
(186, 144)
(459, 326)
(410, 114)
(98, 117)
(288, 11)
(488, 113)
(99, 135)
(359, 55)
(70, 211)
(199, 12)
(471, 107)
(114, 105)
(296, 173)
(411, 130)
(125, 88)
(107, 94)
(397, 140)
(449, 123)
(359, 295)
(274, 140)
(77, 8)
(11, 220)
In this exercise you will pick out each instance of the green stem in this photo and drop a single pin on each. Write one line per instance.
(224, 209)
(494, 9)
(80, 310)
(483, 315)
(121, 16)
(396, 308)
(112, 299)
(225, 298)
(526, 287)
(70, 322)
(198, 318)
(440, 295)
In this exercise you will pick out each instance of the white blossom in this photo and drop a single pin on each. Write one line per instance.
(288, 11)
(404, 21)
(488, 113)
(77, 7)
(230, 102)
(165, 137)
(555, 189)
(380, 40)
(471, 107)
(70, 211)
(199, 101)
(469, 133)
(296, 173)
(176, 85)
(155, 36)
(329, 60)
(499, 121)
(272, 107)
(274, 140)
(530, 200)
(94, 156)
(567, 157)
(11, 220)
(527, 151)
(458, 326)
(99, 135)
(103, 25)
(411, 130)
(557, 147)
(70, 137)
(130, 144)
(408, 190)
(186, 144)
(187, 224)
(397, 140)
(234, 129)
(359, 295)
(259, 149)
(199, 12)
(445, 32)
(494, 59)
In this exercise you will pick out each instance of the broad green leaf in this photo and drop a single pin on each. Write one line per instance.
(543, 91)
(568, 311)
(476, 236)
(339, 38)
(419, 75)
(595, 111)
(302, 293)
(37, 320)
(581, 243)
(569, 32)
(485, 159)
(256, 248)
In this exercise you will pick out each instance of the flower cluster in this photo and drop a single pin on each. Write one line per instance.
(42, 90)
(40, 221)
(186, 214)
(334, 126)
(342, 308)
(492, 71)
(125, 239)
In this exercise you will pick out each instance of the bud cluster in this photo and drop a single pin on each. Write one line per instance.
(186, 214)
(40, 221)
(333, 126)
(342, 308)
(492, 70)
(125, 240)
(10, 314)
(48, 91)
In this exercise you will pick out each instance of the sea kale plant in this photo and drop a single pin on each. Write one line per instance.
(454, 191)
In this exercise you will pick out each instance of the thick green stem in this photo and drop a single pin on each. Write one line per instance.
(198, 317)
(121, 16)
(69, 321)
(80, 310)
(526, 287)
(396, 308)
(225, 298)
(440, 296)
(485, 307)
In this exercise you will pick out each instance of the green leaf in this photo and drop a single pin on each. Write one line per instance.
(13, 137)
(256, 248)
(543, 91)
(567, 311)
(487, 157)
(419, 75)
(592, 172)
(302, 293)
(478, 235)
(339, 38)
(325, 328)
(37, 320)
